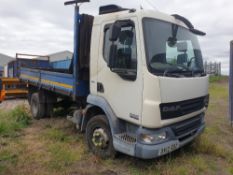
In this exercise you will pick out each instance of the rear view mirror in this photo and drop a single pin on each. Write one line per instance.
(182, 47)
(115, 31)
(171, 42)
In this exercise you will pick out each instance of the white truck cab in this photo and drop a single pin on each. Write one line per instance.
(147, 78)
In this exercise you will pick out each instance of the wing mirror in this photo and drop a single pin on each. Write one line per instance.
(115, 31)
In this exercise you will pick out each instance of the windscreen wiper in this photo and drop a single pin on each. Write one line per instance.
(174, 72)
(201, 72)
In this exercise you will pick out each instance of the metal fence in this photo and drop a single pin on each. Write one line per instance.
(231, 85)
(213, 68)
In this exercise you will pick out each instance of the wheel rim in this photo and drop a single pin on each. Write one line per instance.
(100, 138)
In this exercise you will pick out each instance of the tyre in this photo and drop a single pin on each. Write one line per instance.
(49, 110)
(37, 108)
(99, 137)
(29, 97)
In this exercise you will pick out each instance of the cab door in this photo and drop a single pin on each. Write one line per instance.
(123, 92)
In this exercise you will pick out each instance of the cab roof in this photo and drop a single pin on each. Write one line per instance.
(128, 13)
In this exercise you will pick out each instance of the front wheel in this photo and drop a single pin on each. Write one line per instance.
(99, 137)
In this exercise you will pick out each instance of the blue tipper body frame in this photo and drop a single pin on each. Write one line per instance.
(231, 85)
(76, 45)
(61, 83)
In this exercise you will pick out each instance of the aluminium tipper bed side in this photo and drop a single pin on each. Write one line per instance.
(60, 83)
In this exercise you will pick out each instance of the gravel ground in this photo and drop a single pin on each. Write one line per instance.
(11, 104)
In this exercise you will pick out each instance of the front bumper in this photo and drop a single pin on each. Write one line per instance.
(152, 151)
(179, 135)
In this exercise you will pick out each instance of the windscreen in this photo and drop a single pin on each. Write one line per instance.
(171, 49)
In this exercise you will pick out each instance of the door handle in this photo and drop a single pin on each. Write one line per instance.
(100, 87)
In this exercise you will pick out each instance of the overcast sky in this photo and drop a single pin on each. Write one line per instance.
(43, 27)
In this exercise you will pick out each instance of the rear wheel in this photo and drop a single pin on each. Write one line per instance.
(49, 110)
(37, 107)
(99, 137)
(29, 98)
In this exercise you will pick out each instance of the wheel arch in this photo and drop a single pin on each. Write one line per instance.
(90, 112)
(97, 106)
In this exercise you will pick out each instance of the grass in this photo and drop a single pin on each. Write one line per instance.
(62, 156)
(231, 170)
(53, 146)
(56, 135)
(11, 123)
(217, 79)
(203, 145)
(7, 157)
(62, 149)
(14, 121)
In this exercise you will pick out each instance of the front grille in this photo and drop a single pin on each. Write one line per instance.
(179, 109)
(188, 128)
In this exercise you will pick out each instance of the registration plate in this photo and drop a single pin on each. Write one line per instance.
(169, 148)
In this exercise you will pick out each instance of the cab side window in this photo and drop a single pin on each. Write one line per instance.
(107, 45)
(126, 48)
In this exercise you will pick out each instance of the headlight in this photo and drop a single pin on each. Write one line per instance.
(156, 138)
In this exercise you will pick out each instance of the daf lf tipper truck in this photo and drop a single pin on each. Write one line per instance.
(136, 79)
